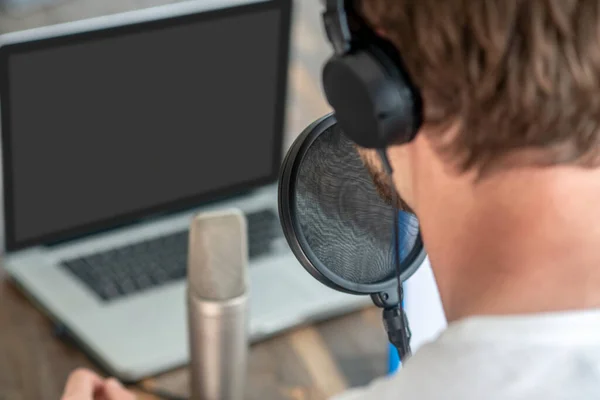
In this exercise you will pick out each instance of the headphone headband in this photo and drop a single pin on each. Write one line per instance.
(335, 21)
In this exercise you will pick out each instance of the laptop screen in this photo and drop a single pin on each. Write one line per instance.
(103, 128)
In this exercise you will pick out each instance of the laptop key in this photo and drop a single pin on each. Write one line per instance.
(178, 272)
(159, 276)
(110, 291)
(143, 282)
(127, 286)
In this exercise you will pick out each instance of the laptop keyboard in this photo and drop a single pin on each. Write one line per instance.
(129, 269)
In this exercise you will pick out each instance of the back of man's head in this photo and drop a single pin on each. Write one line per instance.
(513, 74)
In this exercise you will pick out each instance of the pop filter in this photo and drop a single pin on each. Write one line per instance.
(338, 226)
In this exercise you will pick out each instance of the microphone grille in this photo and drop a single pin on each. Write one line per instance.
(218, 255)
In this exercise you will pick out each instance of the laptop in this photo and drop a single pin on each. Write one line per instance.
(116, 131)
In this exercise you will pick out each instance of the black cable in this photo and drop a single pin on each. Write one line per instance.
(395, 319)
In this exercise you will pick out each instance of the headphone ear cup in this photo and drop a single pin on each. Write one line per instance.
(374, 105)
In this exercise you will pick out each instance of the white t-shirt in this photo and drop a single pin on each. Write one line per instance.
(537, 357)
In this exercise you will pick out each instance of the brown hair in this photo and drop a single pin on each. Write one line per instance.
(513, 75)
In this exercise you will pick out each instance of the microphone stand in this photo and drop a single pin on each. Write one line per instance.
(395, 322)
(396, 326)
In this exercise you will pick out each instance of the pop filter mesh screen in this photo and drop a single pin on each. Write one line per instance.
(347, 226)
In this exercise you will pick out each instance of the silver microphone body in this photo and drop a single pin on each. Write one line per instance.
(218, 347)
(218, 307)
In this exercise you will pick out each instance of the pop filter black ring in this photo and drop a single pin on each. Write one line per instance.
(295, 236)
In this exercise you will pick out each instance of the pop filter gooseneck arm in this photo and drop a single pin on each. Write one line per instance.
(394, 316)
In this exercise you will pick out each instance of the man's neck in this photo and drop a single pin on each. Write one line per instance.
(522, 242)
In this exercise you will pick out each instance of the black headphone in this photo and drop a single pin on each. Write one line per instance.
(366, 83)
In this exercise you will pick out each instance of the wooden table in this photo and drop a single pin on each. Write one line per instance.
(313, 362)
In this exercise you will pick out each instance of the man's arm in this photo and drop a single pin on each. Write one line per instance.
(84, 384)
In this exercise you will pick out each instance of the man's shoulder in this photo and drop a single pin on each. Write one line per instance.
(465, 366)
(425, 376)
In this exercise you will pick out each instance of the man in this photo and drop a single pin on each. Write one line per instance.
(505, 179)
(86, 385)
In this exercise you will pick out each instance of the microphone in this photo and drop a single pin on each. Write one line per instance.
(217, 301)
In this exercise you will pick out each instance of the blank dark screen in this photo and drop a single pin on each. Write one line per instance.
(107, 127)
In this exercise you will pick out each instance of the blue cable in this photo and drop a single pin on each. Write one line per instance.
(393, 360)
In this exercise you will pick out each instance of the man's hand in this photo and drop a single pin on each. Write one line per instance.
(86, 385)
